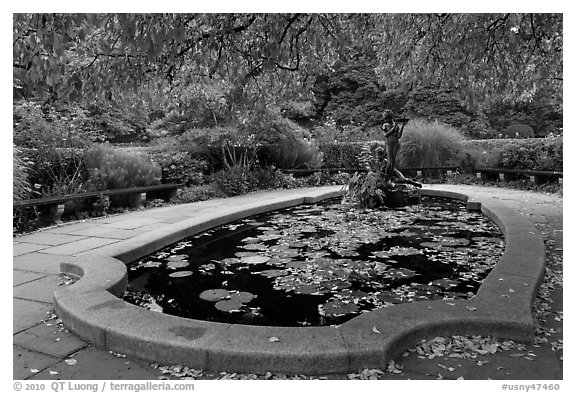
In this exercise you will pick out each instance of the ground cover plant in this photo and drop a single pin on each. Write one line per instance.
(320, 265)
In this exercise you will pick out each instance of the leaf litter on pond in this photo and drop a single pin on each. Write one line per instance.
(366, 259)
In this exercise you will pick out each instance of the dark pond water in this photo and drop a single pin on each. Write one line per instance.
(320, 265)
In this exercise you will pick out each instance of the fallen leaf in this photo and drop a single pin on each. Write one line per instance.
(375, 330)
(273, 339)
(71, 362)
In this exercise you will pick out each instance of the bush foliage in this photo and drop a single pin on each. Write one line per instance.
(531, 154)
(110, 168)
(519, 131)
(21, 187)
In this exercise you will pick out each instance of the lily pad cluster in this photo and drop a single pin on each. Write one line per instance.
(344, 259)
(227, 301)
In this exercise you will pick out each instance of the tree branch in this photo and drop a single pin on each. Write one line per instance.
(287, 27)
(223, 32)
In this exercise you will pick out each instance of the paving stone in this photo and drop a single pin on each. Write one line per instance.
(28, 313)
(41, 290)
(21, 276)
(543, 366)
(132, 223)
(122, 234)
(24, 361)
(50, 239)
(41, 263)
(104, 231)
(96, 364)
(153, 227)
(26, 248)
(72, 228)
(48, 339)
(79, 246)
(95, 230)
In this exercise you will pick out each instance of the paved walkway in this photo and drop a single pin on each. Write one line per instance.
(43, 349)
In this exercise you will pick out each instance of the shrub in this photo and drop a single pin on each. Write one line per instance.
(519, 131)
(21, 188)
(345, 155)
(426, 144)
(177, 162)
(530, 154)
(233, 181)
(340, 155)
(101, 206)
(54, 144)
(471, 159)
(294, 153)
(367, 188)
(42, 127)
(109, 168)
(56, 171)
(545, 155)
(447, 107)
(198, 193)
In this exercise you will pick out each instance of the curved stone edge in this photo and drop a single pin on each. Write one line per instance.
(502, 308)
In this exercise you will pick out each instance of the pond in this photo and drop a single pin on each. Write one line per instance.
(319, 265)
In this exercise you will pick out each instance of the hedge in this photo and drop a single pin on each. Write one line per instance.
(533, 154)
(545, 154)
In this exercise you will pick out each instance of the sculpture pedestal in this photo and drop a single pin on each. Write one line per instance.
(400, 196)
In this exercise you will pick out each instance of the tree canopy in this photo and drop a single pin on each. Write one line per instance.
(158, 56)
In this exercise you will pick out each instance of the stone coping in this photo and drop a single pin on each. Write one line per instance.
(501, 308)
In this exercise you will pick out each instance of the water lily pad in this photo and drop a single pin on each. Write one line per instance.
(230, 261)
(389, 297)
(435, 245)
(269, 236)
(244, 254)
(297, 265)
(335, 285)
(307, 289)
(255, 247)
(250, 240)
(183, 273)
(150, 264)
(272, 273)
(254, 260)
(454, 242)
(176, 264)
(177, 257)
(229, 305)
(338, 308)
(284, 253)
(242, 297)
(214, 295)
(346, 252)
(379, 267)
(444, 283)
(401, 273)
